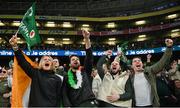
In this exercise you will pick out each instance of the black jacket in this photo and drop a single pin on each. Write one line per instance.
(75, 97)
(45, 86)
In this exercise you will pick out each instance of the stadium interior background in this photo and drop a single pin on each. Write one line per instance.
(142, 23)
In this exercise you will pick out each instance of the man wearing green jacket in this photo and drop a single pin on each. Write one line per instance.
(144, 79)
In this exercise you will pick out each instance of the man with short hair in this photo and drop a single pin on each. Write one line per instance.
(144, 79)
(77, 82)
(115, 89)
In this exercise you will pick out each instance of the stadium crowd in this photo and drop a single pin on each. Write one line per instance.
(117, 83)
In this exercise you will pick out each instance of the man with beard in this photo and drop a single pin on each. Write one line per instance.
(116, 88)
(45, 90)
(77, 83)
(144, 79)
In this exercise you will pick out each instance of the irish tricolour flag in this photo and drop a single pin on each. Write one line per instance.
(21, 82)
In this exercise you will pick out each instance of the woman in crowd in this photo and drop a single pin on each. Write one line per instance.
(45, 85)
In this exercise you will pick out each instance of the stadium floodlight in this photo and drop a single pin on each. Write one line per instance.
(67, 25)
(20, 42)
(111, 25)
(2, 24)
(49, 42)
(142, 36)
(50, 24)
(141, 39)
(50, 39)
(82, 42)
(111, 43)
(112, 39)
(65, 39)
(85, 25)
(85, 28)
(16, 23)
(67, 42)
(140, 22)
(175, 30)
(175, 34)
(172, 16)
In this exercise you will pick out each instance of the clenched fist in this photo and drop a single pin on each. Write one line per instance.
(149, 56)
(169, 42)
(86, 34)
(13, 40)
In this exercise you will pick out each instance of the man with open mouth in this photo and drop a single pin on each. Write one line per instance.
(115, 89)
(77, 82)
(144, 79)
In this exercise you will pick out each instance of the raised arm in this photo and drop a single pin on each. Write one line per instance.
(122, 59)
(26, 66)
(100, 63)
(103, 60)
(87, 41)
(165, 58)
(88, 63)
(148, 62)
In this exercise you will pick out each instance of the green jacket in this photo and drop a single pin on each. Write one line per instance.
(150, 75)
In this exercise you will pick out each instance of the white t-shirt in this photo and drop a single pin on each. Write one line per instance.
(142, 90)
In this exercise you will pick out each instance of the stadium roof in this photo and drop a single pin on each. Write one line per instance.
(87, 8)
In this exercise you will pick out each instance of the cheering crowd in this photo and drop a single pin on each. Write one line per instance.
(117, 83)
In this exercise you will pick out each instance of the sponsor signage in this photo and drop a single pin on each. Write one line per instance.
(82, 53)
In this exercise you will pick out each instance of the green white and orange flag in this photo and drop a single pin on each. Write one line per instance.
(28, 28)
(21, 82)
(20, 85)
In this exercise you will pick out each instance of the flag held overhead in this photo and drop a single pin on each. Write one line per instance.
(28, 28)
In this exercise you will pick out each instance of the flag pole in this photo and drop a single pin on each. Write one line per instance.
(16, 32)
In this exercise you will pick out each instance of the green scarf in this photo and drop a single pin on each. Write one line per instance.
(71, 78)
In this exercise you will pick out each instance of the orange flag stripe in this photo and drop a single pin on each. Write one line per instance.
(20, 83)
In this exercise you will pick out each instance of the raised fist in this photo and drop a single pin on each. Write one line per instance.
(149, 56)
(85, 33)
(169, 42)
(13, 40)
